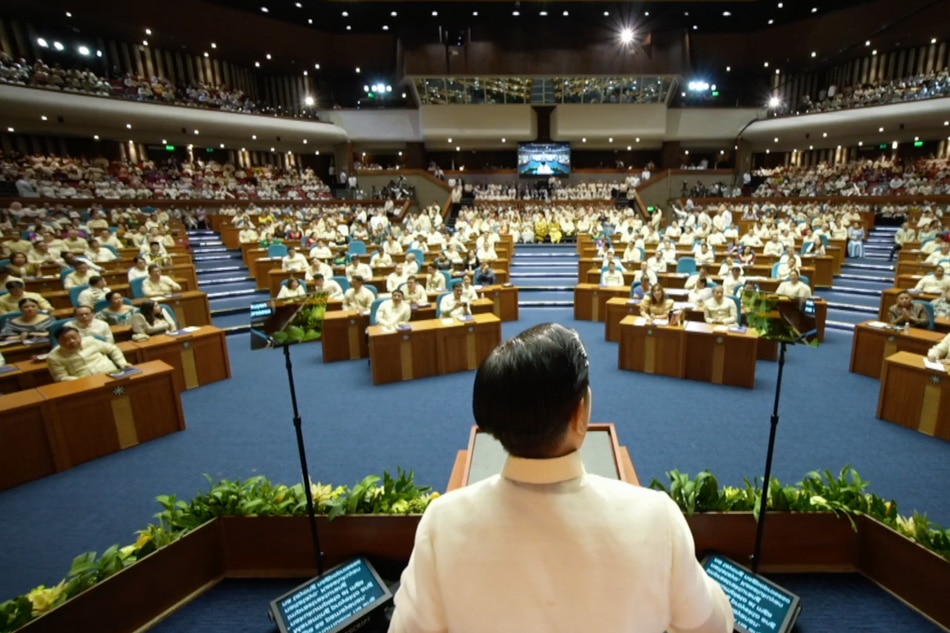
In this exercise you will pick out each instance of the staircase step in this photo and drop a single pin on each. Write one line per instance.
(226, 280)
(220, 269)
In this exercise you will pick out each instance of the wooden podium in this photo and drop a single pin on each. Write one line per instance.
(601, 452)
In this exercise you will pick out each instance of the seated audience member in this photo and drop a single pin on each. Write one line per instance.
(151, 319)
(358, 297)
(720, 310)
(436, 280)
(20, 268)
(656, 305)
(95, 293)
(640, 290)
(733, 281)
(485, 276)
(700, 292)
(318, 267)
(380, 259)
(396, 278)
(88, 325)
(293, 261)
(907, 313)
(15, 292)
(139, 269)
(937, 282)
(78, 356)
(99, 254)
(939, 255)
(942, 306)
(533, 395)
(6, 276)
(117, 312)
(415, 293)
(411, 266)
(794, 287)
(455, 304)
(159, 285)
(321, 251)
(941, 350)
(292, 289)
(611, 278)
(31, 325)
(468, 288)
(329, 286)
(356, 267)
(79, 277)
(393, 311)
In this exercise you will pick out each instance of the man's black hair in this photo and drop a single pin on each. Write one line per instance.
(529, 387)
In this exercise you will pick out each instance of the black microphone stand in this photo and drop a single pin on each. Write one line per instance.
(311, 511)
(760, 528)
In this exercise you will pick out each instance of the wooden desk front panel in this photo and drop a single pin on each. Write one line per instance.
(25, 452)
(464, 346)
(870, 346)
(504, 301)
(652, 349)
(344, 336)
(590, 301)
(199, 358)
(823, 266)
(617, 310)
(722, 358)
(914, 268)
(913, 396)
(398, 356)
(191, 308)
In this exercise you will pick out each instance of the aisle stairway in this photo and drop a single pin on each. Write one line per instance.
(855, 295)
(545, 274)
(223, 275)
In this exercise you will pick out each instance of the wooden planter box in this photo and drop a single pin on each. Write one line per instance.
(280, 547)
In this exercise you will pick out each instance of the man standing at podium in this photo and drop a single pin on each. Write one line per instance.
(544, 546)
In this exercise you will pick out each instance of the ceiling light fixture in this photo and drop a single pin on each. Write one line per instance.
(58, 46)
(265, 10)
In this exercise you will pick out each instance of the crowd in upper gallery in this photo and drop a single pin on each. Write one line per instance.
(884, 176)
(931, 85)
(49, 176)
(153, 89)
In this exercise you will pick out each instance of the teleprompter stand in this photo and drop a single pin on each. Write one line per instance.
(760, 526)
(298, 428)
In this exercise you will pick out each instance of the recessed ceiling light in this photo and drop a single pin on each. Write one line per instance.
(305, 141)
(268, 56)
(58, 46)
(771, 22)
(583, 140)
(780, 5)
(257, 64)
(646, 13)
(606, 13)
(221, 145)
(298, 5)
(814, 9)
(766, 64)
(316, 66)
(148, 31)
(393, 13)
(867, 43)
(695, 27)
(144, 43)
(874, 52)
(357, 70)
(727, 14)
(450, 140)
(824, 135)
(728, 69)
(860, 143)
(95, 137)
(385, 27)
(880, 129)
(264, 9)
(565, 14)
(128, 126)
(272, 149)
(164, 141)
(503, 140)
(435, 14)
(814, 54)
(610, 140)
(637, 139)
(475, 14)
(686, 13)
(516, 13)
(305, 73)
(9, 129)
(629, 147)
(777, 71)
(776, 139)
(345, 14)
(42, 42)
(243, 149)
(309, 20)
(213, 45)
(68, 14)
(317, 153)
(206, 53)
(253, 137)
(404, 95)
(543, 13)
(43, 118)
(933, 40)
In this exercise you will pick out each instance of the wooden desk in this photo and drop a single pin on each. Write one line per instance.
(914, 268)
(432, 347)
(654, 349)
(504, 301)
(199, 358)
(616, 310)
(871, 345)
(889, 298)
(60, 425)
(823, 265)
(259, 269)
(25, 448)
(719, 356)
(191, 307)
(344, 335)
(590, 300)
(914, 396)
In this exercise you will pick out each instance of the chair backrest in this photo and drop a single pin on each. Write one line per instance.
(136, 286)
(343, 281)
(438, 304)
(420, 256)
(373, 309)
(738, 303)
(454, 282)
(805, 280)
(824, 239)
(448, 278)
(6, 317)
(102, 304)
(171, 314)
(686, 265)
(634, 286)
(775, 268)
(643, 253)
(930, 312)
(807, 247)
(4, 262)
(74, 294)
(372, 289)
(277, 250)
(64, 273)
(111, 248)
(356, 247)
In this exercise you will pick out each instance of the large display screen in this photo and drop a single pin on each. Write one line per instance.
(339, 600)
(544, 159)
